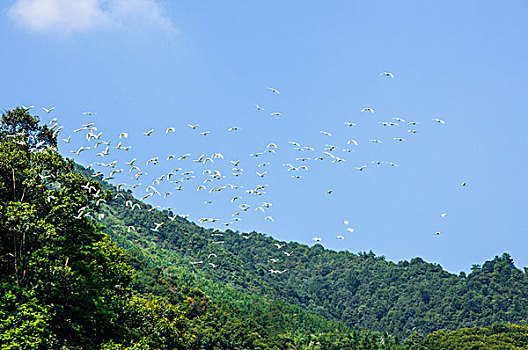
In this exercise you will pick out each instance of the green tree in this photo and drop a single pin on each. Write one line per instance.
(62, 280)
(496, 337)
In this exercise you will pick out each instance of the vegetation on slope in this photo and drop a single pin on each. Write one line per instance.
(497, 336)
(360, 290)
(62, 281)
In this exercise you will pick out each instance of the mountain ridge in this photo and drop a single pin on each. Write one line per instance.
(404, 297)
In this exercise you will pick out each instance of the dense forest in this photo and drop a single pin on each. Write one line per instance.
(81, 267)
(362, 291)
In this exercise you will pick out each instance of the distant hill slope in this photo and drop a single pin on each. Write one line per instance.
(497, 336)
(360, 290)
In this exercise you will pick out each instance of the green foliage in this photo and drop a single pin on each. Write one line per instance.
(163, 270)
(355, 340)
(361, 291)
(63, 281)
(235, 321)
(68, 265)
(497, 336)
(155, 322)
(24, 323)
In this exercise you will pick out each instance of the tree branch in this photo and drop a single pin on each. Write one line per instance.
(14, 185)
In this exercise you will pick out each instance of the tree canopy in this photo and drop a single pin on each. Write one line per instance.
(63, 282)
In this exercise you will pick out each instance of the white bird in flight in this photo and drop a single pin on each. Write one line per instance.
(157, 227)
(80, 150)
(368, 109)
(387, 74)
(274, 90)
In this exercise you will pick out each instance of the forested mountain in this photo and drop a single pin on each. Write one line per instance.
(360, 290)
(65, 284)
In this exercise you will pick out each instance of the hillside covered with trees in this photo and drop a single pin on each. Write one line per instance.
(362, 291)
(74, 274)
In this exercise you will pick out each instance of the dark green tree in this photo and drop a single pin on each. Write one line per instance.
(63, 282)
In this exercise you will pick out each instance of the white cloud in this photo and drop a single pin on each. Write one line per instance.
(72, 16)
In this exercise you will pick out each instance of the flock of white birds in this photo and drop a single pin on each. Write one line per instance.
(202, 173)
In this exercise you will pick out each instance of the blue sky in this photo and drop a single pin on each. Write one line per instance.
(146, 64)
